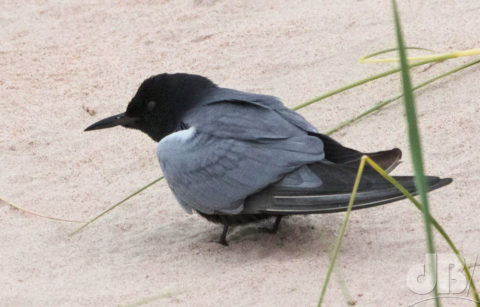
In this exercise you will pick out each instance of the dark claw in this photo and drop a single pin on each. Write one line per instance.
(275, 227)
(223, 242)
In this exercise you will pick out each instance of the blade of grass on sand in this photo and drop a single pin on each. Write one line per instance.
(415, 146)
(39, 214)
(338, 243)
(381, 104)
(371, 55)
(116, 205)
(150, 300)
(437, 57)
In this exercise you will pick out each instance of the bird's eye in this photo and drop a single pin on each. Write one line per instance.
(151, 105)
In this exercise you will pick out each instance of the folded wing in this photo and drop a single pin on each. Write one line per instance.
(293, 194)
(214, 175)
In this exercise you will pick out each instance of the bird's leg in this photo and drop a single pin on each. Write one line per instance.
(275, 227)
(278, 219)
(223, 237)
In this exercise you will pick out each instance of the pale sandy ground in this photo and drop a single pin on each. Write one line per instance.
(60, 59)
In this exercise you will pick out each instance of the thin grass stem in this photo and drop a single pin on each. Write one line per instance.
(116, 205)
(39, 214)
(369, 56)
(342, 231)
(436, 57)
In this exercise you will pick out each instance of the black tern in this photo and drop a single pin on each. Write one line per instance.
(236, 157)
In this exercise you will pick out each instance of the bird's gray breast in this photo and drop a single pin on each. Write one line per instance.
(169, 151)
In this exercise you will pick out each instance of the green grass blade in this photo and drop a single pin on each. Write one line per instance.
(369, 56)
(342, 231)
(381, 104)
(437, 57)
(150, 300)
(38, 214)
(414, 140)
(116, 205)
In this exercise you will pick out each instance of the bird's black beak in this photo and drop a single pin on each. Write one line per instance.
(112, 121)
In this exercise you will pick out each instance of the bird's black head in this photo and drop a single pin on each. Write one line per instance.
(159, 104)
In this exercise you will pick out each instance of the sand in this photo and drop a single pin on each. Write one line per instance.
(67, 65)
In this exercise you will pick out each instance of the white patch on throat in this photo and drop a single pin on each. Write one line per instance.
(174, 142)
(181, 136)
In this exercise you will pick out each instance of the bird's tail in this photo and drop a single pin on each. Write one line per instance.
(333, 195)
(339, 154)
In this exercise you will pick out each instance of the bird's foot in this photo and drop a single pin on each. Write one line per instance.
(223, 237)
(275, 227)
(222, 241)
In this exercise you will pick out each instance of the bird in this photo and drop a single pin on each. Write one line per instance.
(236, 157)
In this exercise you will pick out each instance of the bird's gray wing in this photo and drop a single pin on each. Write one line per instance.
(271, 113)
(241, 120)
(214, 173)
